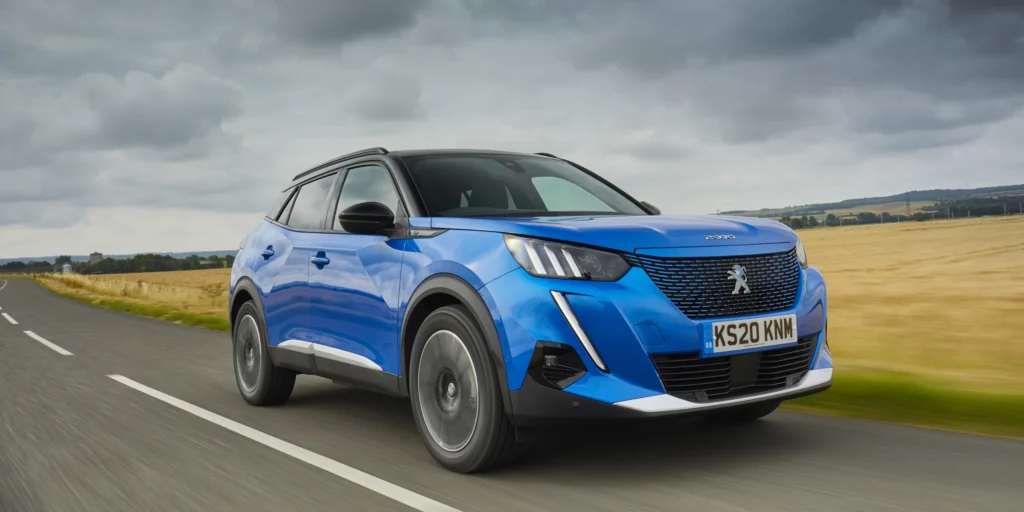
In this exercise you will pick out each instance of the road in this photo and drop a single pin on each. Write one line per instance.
(171, 433)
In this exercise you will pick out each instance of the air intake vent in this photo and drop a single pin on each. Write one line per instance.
(690, 377)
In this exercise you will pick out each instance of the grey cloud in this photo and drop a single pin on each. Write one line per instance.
(212, 105)
(392, 97)
(652, 149)
(169, 111)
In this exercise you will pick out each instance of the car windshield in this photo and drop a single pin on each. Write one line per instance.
(486, 185)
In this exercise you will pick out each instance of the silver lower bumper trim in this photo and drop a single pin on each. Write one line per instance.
(668, 403)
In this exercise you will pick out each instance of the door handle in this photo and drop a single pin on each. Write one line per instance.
(268, 252)
(320, 259)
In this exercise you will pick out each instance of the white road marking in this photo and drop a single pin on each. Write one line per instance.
(2, 286)
(48, 343)
(9, 319)
(332, 466)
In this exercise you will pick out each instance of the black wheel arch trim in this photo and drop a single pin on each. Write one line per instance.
(451, 284)
(247, 284)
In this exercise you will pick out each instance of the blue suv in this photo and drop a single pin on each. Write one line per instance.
(501, 292)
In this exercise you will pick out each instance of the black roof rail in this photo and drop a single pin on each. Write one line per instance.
(349, 156)
(546, 154)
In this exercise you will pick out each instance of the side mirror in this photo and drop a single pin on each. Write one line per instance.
(366, 218)
(654, 209)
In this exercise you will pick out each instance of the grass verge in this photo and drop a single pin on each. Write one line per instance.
(881, 396)
(213, 322)
(912, 400)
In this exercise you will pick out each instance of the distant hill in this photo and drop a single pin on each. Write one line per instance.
(920, 200)
(80, 258)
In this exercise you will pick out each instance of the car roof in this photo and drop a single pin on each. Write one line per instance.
(424, 152)
(408, 153)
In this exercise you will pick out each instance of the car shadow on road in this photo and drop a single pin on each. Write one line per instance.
(619, 451)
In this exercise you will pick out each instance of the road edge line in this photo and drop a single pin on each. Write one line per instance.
(370, 482)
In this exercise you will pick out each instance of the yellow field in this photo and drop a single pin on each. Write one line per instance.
(194, 291)
(943, 299)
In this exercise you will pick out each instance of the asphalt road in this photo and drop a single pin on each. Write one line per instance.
(172, 433)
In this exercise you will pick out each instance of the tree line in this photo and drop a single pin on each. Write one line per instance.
(137, 263)
(974, 207)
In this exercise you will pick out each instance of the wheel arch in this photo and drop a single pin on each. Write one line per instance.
(445, 290)
(245, 290)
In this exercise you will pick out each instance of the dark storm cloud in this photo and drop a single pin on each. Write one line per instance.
(325, 22)
(757, 68)
(659, 36)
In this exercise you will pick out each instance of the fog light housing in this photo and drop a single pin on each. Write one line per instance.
(555, 365)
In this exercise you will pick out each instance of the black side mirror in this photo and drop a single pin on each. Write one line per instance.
(654, 209)
(366, 218)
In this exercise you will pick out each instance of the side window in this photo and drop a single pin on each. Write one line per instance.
(366, 184)
(275, 209)
(560, 195)
(308, 208)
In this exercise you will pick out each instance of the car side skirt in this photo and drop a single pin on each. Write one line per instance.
(337, 365)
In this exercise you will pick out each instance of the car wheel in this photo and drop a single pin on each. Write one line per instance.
(259, 381)
(456, 399)
(745, 413)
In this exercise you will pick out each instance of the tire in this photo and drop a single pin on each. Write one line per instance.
(449, 365)
(744, 413)
(252, 362)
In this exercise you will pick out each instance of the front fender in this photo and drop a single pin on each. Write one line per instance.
(480, 305)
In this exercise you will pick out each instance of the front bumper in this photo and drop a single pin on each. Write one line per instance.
(534, 404)
(616, 328)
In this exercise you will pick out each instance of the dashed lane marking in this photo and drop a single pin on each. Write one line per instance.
(9, 319)
(48, 343)
(334, 467)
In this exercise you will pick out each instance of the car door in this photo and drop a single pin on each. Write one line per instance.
(282, 270)
(354, 285)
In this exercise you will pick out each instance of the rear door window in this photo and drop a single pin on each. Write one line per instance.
(310, 205)
(275, 209)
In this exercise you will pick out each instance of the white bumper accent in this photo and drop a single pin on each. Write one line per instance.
(669, 403)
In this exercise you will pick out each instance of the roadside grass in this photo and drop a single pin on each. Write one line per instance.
(913, 400)
(74, 289)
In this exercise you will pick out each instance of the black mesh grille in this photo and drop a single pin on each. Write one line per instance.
(690, 377)
(556, 374)
(701, 288)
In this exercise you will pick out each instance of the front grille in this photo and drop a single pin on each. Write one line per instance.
(701, 288)
(690, 377)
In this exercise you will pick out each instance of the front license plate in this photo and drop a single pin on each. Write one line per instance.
(752, 333)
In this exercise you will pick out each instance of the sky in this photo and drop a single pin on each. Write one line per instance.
(141, 125)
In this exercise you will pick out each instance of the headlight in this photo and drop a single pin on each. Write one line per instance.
(801, 254)
(550, 259)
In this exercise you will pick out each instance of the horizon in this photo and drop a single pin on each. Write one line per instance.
(128, 254)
